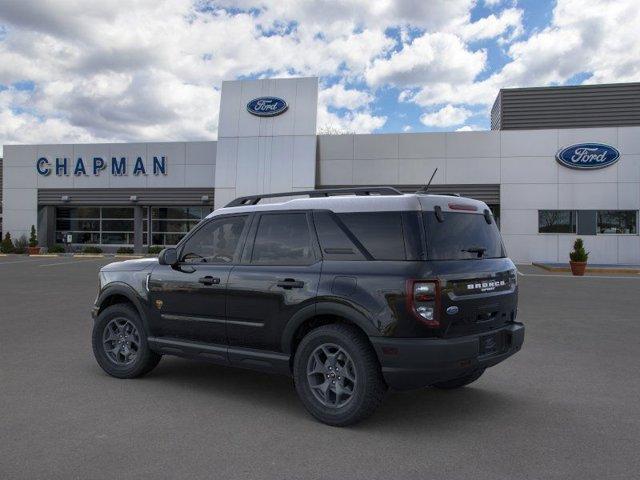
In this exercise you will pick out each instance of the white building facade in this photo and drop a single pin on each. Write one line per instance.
(138, 195)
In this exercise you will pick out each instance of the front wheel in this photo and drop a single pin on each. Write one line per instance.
(460, 381)
(337, 375)
(120, 343)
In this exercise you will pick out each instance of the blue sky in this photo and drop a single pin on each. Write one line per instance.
(77, 71)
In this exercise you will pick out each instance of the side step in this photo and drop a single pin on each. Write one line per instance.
(266, 361)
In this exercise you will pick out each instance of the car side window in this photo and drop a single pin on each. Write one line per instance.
(381, 233)
(283, 239)
(216, 242)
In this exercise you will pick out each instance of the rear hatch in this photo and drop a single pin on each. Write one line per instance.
(478, 283)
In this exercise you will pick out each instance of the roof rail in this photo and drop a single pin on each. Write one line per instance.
(255, 199)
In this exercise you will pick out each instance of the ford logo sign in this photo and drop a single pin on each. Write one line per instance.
(267, 106)
(588, 156)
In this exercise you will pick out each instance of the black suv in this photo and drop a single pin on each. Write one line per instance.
(350, 291)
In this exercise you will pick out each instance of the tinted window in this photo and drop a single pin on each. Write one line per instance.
(461, 236)
(379, 232)
(617, 221)
(334, 241)
(556, 221)
(283, 239)
(215, 242)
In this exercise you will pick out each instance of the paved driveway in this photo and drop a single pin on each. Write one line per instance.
(567, 406)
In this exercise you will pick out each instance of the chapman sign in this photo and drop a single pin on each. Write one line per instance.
(588, 156)
(118, 166)
(267, 106)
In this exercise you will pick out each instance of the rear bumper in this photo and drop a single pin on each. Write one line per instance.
(418, 362)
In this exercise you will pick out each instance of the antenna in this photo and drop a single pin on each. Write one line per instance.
(426, 187)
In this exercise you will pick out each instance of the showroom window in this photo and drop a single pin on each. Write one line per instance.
(95, 225)
(618, 222)
(170, 224)
(556, 221)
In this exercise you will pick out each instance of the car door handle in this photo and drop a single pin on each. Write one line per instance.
(289, 283)
(209, 280)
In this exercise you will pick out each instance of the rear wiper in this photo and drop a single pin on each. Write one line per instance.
(479, 250)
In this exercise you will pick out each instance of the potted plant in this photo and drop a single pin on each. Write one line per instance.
(7, 244)
(33, 249)
(20, 245)
(578, 258)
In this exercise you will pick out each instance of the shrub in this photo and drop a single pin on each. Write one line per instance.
(155, 249)
(7, 244)
(579, 254)
(33, 238)
(20, 245)
(125, 250)
(57, 248)
(91, 249)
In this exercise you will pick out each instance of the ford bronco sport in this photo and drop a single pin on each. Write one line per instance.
(349, 291)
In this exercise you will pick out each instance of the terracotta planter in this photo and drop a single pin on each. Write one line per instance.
(33, 250)
(578, 268)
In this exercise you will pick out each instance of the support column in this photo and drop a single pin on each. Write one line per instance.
(138, 215)
(46, 226)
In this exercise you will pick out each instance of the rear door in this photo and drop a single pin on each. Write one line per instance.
(189, 300)
(278, 276)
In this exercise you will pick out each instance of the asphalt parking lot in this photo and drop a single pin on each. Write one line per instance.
(566, 406)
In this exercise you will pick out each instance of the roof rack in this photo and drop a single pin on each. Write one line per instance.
(255, 199)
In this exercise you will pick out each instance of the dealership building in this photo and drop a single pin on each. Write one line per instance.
(559, 162)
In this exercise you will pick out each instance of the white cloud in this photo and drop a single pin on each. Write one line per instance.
(469, 128)
(358, 122)
(432, 57)
(509, 22)
(151, 70)
(447, 116)
(597, 38)
(407, 128)
(340, 97)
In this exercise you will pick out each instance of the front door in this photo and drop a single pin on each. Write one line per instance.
(188, 300)
(278, 275)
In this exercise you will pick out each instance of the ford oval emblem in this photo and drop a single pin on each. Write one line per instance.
(267, 106)
(452, 310)
(588, 156)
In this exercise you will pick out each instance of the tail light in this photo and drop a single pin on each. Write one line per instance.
(423, 297)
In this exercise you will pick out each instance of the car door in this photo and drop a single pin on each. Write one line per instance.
(188, 300)
(278, 275)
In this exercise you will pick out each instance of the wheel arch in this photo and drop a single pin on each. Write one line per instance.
(319, 314)
(120, 293)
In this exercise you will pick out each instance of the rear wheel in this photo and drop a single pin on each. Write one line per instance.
(460, 381)
(337, 375)
(120, 343)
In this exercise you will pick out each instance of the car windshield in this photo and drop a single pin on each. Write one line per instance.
(462, 236)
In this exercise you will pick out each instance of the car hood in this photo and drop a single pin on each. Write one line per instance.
(136, 265)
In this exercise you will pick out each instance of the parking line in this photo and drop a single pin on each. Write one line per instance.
(21, 261)
(73, 262)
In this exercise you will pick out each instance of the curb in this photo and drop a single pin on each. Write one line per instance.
(589, 269)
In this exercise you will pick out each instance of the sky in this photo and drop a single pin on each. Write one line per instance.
(77, 71)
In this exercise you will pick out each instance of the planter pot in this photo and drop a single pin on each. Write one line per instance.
(33, 250)
(578, 268)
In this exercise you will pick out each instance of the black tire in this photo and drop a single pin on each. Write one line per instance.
(460, 381)
(369, 386)
(144, 360)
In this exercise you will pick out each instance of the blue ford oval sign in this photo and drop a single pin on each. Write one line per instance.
(267, 106)
(588, 156)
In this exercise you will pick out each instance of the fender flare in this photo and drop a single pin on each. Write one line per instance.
(325, 308)
(118, 288)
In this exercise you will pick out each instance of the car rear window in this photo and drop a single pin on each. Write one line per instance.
(460, 236)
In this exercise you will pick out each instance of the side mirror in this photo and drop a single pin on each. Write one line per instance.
(168, 256)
